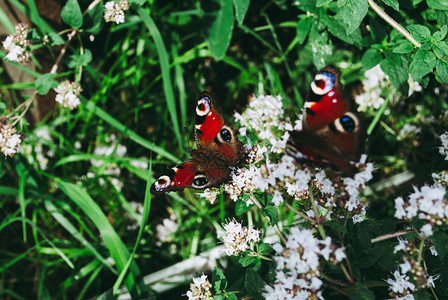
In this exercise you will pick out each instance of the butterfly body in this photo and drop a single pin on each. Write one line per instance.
(332, 133)
(218, 151)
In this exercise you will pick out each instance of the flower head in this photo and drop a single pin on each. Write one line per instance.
(9, 139)
(68, 94)
(237, 238)
(17, 44)
(298, 265)
(200, 289)
(114, 12)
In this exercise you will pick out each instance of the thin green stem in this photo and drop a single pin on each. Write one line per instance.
(258, 204)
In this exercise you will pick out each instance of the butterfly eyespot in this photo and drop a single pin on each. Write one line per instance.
(203, 106)
(226, 135)
(162, 183)
(199, 181)
(346, 123)
(323, 83)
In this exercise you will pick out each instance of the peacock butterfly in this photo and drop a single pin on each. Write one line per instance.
(218, 151)
(332, 133)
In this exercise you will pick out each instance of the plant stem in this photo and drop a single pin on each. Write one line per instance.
(257, 204)
(393, 23)
(300, 213)
(389, 236)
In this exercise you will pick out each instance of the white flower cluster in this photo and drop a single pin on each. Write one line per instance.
(402, 285)
(200, 289)
(441, 178)
(237, 237)
(111, 169)
(41, 155)
(353, 186)
(374, 83)
(114, 12)
(298, 265)
(444, 149)
(264, 116)
(429, 204)
(409, 131)
(165, 230)
(17, 44)
(210, 194)
(68, 94)
(9, 139)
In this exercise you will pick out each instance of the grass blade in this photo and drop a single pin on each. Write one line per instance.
(165, 67)
(117, 249)
(125, 130)
(144, 220)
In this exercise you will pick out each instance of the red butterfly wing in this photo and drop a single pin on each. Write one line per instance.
(331, 133)
(218, 151)
(325, 101)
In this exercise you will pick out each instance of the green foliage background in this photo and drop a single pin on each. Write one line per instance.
(140, 81)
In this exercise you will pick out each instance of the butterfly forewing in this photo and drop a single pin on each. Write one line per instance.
(218, 150)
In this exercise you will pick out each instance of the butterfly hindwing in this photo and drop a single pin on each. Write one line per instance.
(218, 150)
(331, 131)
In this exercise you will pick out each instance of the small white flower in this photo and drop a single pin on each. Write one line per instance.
(200, 289)
(9, 139)
(400, 283)
(426, 230)
(17, 44)
(114, 12)
(68, 94)
(444, 149)
(237, 238)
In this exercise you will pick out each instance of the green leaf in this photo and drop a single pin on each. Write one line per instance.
(422, 64)
(303, 27)
(241, 207)
(442, 71)
(360, 291)
(440, 35)
(247, 260)
(271, 212)
(371, 58)
(55, 39)
(94, 19)
(419, 32)
(241, 7)
(44, 83)
(219, 281)
(392, 3)
(438, 4)
(403, 48)
(337, 28)
(398, 75)
(440, 49)
(71, 14)
(220, 32)
(320, 48)
(264, 249)
(442, 18)
(353, 12)
(253, 283)
(77, 60)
